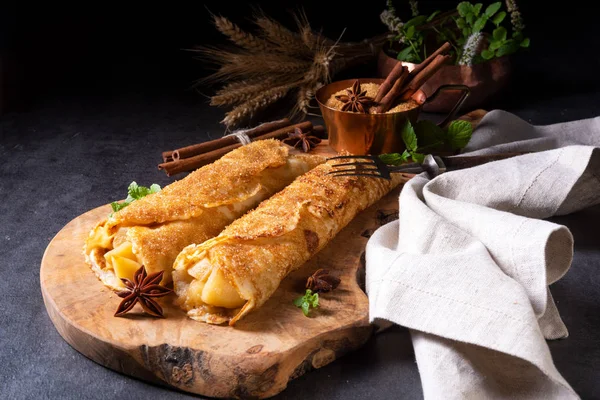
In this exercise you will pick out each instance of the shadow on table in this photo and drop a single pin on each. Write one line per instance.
(577, 297)
(383, 368)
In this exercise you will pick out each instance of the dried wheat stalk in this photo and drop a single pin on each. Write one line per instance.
(250, 108)
(238, 36)
(276, 62)
(241, 91)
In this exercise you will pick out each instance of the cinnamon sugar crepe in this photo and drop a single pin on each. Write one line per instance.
(153, 230)
(226, 277)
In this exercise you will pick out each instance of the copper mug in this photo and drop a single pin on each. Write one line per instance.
(380, 133)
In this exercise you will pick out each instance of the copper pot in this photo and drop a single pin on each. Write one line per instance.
(361, 134)
(485, 80)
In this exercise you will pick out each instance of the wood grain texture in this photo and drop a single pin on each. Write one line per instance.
(254, 359)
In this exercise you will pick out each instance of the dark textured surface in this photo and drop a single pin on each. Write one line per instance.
(123, 99)
(70, 155)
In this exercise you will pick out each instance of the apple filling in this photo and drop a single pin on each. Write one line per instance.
(214, 289)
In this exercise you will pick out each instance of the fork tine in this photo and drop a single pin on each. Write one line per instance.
(343, 157)
(353, 163)
(354, 170)
(368, 175)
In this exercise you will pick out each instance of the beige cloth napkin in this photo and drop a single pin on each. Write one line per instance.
(468, 264)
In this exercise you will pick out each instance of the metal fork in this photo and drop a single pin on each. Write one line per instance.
(375, 168)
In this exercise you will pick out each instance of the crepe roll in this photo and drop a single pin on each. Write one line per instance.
(226, 277)
(153, 230)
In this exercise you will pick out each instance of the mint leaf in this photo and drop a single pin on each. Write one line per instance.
(499, 33)
(492, 9)
(463, 8)
(409, 137)
(432, 16)
(525, 42)
(305, 308)
(315, 300)
(459, 134)
(118, 206)
(480, 23)
(410, 32)
(470, 18)
(477, 9)
(418, 157)
(137, 192)
(429, 133)
(487, 54)
(494, 45)
(416, 21)
(133, 189)
(404, 54)
(498, 18)
(307, 301)
(134, 192)
(394, 158)
(509, 47)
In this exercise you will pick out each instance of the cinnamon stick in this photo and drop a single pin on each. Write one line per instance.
(399, 80)
(394, 92)
(423, 76)
(446, 47)
(398, 71)
(167, 156)
(195, 162)
(205, 147)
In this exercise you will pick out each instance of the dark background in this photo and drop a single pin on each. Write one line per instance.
(94, 50)
(95, 91)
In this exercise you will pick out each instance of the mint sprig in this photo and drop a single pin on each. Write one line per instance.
(134, 192)
(307, 301)
(426, 136)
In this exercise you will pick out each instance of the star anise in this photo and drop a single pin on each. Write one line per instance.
(356, 100)
(322, 282)
(143, 288)
(298, 137)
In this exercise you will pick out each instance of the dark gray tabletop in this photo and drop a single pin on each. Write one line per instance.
(70, 153)
(65, 157)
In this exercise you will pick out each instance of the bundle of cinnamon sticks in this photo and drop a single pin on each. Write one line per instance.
(400, 84)
(192, 157)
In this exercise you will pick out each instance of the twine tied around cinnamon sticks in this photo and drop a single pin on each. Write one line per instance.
(192, 157)
(400, 84)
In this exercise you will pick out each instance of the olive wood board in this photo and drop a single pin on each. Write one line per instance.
(255, 359)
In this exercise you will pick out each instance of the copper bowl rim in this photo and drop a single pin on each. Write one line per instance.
(361, 115)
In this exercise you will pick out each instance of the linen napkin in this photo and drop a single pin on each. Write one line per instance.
(468, 264)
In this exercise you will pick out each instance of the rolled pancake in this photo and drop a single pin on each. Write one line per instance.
(226, 277)
(153, 230)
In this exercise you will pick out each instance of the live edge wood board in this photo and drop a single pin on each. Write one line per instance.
(254, 359)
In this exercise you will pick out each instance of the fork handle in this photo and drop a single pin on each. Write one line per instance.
(459, 162)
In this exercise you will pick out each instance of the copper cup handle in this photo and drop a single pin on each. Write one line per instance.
(452, 114)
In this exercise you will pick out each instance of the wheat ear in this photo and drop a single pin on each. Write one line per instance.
(246, 65)
(241, 91)
(248, 109)
(286, 40)
(238, 36)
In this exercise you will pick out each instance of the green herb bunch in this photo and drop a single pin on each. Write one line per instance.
(427, 137)
(477, 34)
(134, 192)
(307, 301)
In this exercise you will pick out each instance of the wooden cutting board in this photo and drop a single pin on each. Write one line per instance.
(255, 359)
